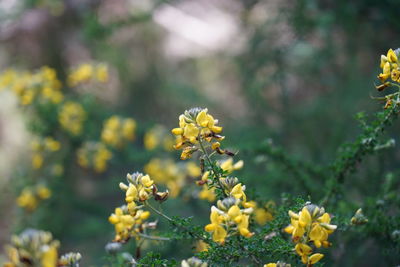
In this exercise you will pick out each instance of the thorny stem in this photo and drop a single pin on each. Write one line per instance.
(202, 148)
(339, 174)
(147, 204)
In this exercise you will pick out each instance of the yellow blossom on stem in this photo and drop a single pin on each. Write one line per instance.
(196, 126)
(310, 225)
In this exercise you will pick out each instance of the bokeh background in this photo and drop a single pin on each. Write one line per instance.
(289, 73)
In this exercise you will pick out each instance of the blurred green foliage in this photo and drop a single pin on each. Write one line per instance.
(305, 69)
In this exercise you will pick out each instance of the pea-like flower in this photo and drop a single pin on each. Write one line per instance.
(228, 219)
(310, 225)
(195, 127)
(126, 223)
(139, 189)
(228, 166)
(390, 66)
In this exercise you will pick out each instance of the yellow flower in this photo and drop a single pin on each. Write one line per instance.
(71, 117)
(27, 200)
(207, 194)
(229, 167)
(32, 246)
(390, 66)
(49, 257)
(82, 73)
(37, 161)
(218, 232)
(262, 216)
(51, 144)
(95, 155)
(311, 224)
(102, 73)
(118, 131)
(238, 192)
(43, 192)
(201, 246)
(195, 126)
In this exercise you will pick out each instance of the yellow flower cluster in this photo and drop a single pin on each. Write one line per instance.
(118, 131)
(311, 224)
(32, 248)
(30, 198)
(128, 224)
(195, 127)
(41, 148)
(158, 136)
(88, 72)
(229, 219)
(41, 85)
(171, 174)
(94, 155)
(71, 117)
(390, 66)
(140, 188)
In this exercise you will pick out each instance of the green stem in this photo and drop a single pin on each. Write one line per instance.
(151, 237)
(157, 211)
(216, 176)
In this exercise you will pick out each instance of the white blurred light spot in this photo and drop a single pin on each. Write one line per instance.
(197, 33)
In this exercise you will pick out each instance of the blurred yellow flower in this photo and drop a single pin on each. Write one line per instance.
(71, 117)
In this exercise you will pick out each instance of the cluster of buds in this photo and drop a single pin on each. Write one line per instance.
(70, 259)
(140, 188)
(118, 131)
(42, 148)
(128, 223)
(30, 197)
(229, 219)
(32, 248)
(310, 226)
(195, 127)
(94, 155)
